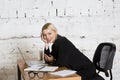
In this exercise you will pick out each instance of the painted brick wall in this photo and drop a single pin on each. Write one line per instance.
(85, 22)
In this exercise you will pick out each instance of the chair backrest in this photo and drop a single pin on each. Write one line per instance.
(103, 57)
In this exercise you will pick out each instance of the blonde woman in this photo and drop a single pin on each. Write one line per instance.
(59, 51)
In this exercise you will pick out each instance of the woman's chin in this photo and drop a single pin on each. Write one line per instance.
(49, 41)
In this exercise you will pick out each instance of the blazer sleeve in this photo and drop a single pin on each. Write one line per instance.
(64, 49)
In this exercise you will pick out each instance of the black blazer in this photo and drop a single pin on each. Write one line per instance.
(66, 54)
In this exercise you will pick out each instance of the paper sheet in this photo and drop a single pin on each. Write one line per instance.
(63, 73)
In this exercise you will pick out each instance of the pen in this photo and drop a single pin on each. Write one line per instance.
(41, 67)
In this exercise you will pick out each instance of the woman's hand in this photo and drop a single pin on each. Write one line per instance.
(45, 41)
(42, 38)
(49, 58)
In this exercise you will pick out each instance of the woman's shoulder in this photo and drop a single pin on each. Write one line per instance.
(59, 40)
(62, 40)
(59, 37)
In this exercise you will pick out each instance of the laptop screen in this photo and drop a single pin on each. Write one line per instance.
(22, 55)
(32, 62)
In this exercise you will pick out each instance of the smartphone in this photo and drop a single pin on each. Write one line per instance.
(47, 52)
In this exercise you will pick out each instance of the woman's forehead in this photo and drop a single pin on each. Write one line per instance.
(47, 31)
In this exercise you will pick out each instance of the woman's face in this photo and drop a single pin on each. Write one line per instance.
(49, 35)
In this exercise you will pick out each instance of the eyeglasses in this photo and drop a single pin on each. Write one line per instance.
(39, 74)
(32, 74)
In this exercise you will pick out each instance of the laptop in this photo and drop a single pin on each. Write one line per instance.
(31, 63)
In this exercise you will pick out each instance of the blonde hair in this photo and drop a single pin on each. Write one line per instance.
(47, 25)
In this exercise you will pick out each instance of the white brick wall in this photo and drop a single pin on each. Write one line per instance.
(86, 23)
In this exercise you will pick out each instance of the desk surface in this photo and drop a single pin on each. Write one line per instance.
(21, 65)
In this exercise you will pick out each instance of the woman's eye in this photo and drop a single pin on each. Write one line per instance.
(49, 33)
(43, 35)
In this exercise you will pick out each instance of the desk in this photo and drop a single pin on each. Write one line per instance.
(21, 66)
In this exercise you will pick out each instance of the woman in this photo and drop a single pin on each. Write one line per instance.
(59, 51)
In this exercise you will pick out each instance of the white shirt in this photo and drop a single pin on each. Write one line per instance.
(50, 46)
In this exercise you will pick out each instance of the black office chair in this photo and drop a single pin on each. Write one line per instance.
(103, 58)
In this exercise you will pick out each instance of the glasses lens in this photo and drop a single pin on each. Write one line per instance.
(40, 74)
(31, 74)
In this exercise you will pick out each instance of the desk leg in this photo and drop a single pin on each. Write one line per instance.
(18, 73)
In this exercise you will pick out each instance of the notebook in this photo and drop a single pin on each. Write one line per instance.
(31, 63)
(41, 68)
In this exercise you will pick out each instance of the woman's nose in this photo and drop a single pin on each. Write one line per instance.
(47, 36)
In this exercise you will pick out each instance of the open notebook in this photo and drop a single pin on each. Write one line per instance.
(41, 68)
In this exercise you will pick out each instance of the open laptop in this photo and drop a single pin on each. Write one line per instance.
(31, 63)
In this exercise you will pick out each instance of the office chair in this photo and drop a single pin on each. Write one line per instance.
(103, 58)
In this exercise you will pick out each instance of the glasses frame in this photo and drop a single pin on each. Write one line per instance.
(36, 74)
